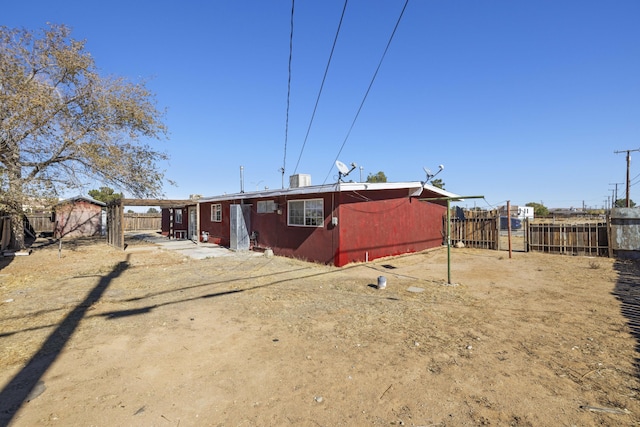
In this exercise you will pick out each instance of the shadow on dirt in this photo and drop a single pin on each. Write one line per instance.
(7, 256)
(171, 301)
(5, 261)
(27, 383)
(627, 291)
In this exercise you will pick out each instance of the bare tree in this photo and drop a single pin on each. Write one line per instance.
(61, 123)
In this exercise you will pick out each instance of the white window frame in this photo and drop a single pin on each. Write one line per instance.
(307, 219)
(178, 216)
(216, 212)
(266, 206)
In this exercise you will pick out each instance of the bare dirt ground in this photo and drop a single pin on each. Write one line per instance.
(97, 337)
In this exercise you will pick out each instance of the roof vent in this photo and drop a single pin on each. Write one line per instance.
(300, 180)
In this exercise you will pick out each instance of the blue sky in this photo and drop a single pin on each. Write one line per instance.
(520, 100)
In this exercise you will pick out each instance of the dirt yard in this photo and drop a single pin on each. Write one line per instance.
(93, 336)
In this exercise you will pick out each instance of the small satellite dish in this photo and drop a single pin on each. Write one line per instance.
(431, 175)
(344, 170)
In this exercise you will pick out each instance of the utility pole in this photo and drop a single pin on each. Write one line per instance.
(615, 197)
(628, 165)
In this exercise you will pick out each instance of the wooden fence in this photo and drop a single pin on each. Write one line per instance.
(481, 230)
(142, 221)
(476, 229)
(41, 222)
(481, 233)
(589, 239)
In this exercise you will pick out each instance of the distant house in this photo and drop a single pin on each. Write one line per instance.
(334, 224)
(78, 216)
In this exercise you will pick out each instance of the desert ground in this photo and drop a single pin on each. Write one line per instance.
(94, 336)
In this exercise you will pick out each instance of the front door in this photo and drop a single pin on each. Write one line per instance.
(193, 224)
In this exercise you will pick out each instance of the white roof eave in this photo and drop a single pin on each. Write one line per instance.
(414, 188)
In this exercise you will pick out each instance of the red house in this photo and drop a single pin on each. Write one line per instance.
(180, 222)
(332, 224)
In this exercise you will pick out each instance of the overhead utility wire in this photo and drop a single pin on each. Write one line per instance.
(326, 71)
(368, 89)
(286, 126)
(634, 179)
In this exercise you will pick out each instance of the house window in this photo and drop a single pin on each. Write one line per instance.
(267, 206)
(216, 213)
(178, 216)
(306, 213)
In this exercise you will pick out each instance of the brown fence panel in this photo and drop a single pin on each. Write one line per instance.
(570, 239)
(141, 221)
(41, 223)
(476, 232)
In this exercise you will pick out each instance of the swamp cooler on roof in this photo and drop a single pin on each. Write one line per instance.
(300, 180)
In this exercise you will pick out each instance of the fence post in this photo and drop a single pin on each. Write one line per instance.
(509, 226)
(609, 241)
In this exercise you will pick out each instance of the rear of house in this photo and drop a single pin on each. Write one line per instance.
(180, 222)
(332, 224)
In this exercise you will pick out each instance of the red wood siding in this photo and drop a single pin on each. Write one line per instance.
(167, 221)
(78, 218)
(219, 232)
(306, 243)
(387, 224)
(370, 223)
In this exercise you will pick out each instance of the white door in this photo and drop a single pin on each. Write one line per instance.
(193, 225)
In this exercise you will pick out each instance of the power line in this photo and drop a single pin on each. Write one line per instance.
(326, 71)
(286, 126)
(368, 89)
(628, 167)
(634, 179)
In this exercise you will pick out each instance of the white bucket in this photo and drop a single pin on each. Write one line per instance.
(382, 282)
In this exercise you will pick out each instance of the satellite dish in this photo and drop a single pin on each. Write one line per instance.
(344, 170)
(431, 175)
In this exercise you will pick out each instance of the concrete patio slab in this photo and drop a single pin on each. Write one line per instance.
(189, 248)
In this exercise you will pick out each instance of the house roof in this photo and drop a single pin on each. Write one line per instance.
(414, 189)
(81, 198)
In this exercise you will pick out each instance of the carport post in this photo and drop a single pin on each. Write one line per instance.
(448, 200)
